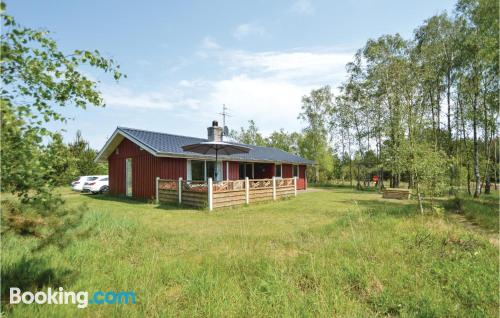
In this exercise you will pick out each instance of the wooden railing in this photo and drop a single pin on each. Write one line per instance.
(168, 184)
(261, 183)
(224, 193)
(229, 185)
(194, 186)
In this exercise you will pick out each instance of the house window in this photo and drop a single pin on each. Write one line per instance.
(296, 171)
(197, 170)
(201, 170)
(210, 170)
(277, 170)
(245, 170)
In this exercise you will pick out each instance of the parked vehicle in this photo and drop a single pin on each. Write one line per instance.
(99, 185)
(77, 185)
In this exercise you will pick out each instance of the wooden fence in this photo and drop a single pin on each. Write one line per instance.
(224, 193)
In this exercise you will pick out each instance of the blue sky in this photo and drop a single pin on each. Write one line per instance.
(184, 59)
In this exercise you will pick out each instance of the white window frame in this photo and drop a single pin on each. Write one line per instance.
(298, 171)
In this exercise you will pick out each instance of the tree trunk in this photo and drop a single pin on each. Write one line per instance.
(381, 179)
(448, 99)
(419, 197)
(380, 183)
(477, 175)
(464, 136)
(438, 107)
(450, 136)
(495, 166)
(350, 158)
(487, 181)
(469, 191)
(358, 177)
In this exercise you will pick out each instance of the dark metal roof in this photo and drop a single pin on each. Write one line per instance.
(168, 144)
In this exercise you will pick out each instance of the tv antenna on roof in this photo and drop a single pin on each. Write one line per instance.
(224, 115)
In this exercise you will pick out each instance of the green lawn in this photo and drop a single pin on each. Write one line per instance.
(331, 253)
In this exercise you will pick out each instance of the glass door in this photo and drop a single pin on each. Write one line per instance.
(128, 177)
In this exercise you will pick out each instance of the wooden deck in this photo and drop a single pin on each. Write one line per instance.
(224, 193)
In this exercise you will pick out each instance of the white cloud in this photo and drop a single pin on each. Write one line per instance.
(268, 86)
(123, 97)
(312, 65)
(249, 29)
(264, 86)
(271, 103)
(302, 7)
(209, 43)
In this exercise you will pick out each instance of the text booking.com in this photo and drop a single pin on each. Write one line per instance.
(61, 297)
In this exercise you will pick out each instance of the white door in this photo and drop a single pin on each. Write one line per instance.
(128, 177)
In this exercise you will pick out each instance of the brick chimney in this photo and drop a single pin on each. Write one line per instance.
(214, 132)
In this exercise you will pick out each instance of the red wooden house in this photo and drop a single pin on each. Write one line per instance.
(137, 157)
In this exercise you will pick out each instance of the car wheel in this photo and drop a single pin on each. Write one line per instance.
(104, 189)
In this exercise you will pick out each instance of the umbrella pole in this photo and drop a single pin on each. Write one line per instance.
(215, 168)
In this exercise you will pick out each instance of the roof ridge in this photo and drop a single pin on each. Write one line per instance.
(159, 132)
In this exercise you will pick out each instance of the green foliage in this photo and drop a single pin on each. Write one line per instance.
(388, 117)
(249, 136)
(431, 169)
(60, 163)
(37, 78)
(288, 142)
(315, 143)
(84, 157)
(392, 103)
(21, 166)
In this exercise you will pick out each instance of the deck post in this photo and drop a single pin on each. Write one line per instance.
(274, 188)
(210, 194)
(157, 186)
(295, 185)
(179, 190)
(247, 191)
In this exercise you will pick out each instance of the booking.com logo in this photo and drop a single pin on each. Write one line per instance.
(61, 297)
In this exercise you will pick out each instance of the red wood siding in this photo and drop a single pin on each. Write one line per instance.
(116, 172)
(234, 171)
(302, 181)
(145, 169)
(287, 170)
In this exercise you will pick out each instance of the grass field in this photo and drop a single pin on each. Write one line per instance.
(330, 253)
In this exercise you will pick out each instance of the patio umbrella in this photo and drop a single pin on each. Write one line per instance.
(216, 148)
